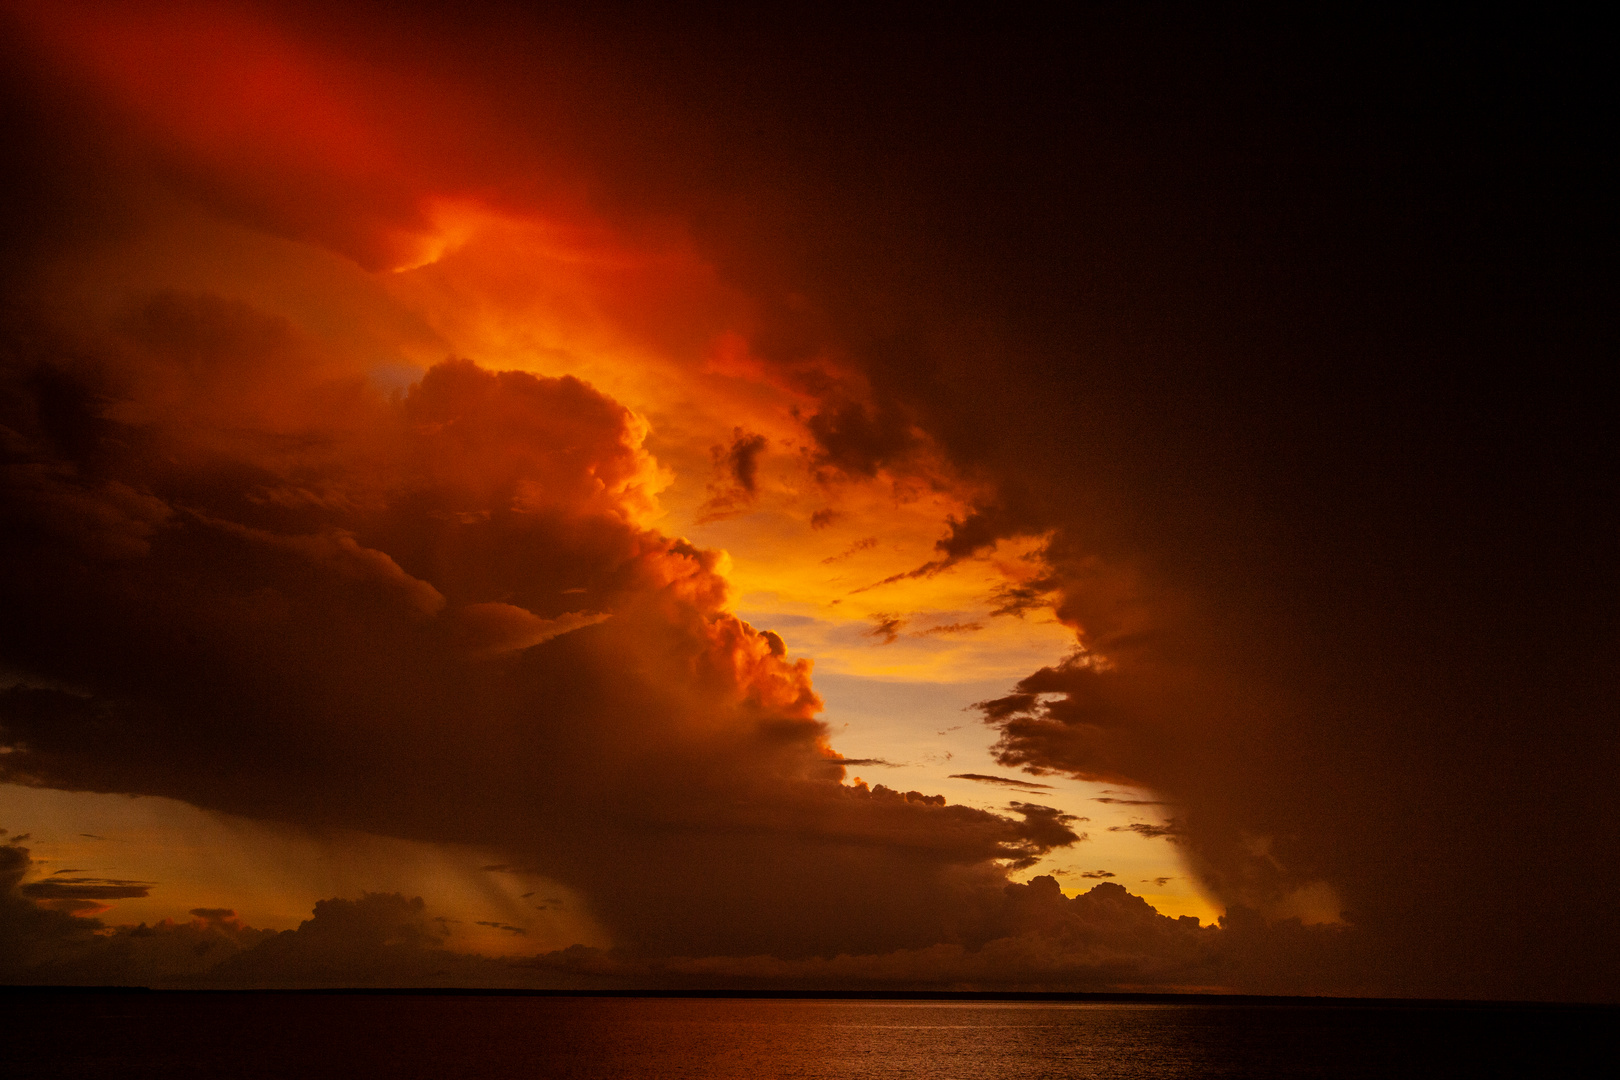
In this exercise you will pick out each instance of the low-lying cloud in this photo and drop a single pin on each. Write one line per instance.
(1030, 936)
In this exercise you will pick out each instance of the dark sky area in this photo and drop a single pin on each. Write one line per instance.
(1305, 322)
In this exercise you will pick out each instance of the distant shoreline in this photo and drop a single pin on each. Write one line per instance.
(1011, 996)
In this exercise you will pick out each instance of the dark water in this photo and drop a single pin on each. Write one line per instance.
(320, 1036)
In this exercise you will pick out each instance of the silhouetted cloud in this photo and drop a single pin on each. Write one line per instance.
(86, 889)
(1149, 831)
(949, 628)
(886, 626)
(856, 548)
(1105, 938)
(738, 469)
(1021, 936)
(859, 438)
(1004, 781)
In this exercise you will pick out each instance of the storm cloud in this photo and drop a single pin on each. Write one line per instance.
(1278, 338)
(433, 616)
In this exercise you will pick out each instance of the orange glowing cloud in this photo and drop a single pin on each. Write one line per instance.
(489, 514)
(382, 157)
(277, 129)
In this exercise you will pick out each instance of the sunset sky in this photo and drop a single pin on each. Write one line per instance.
(1121, 504)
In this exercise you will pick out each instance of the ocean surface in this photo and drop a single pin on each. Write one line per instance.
(315, 1036)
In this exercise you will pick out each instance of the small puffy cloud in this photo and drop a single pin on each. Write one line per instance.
(886, 627)
(736, 484)
(742, 459)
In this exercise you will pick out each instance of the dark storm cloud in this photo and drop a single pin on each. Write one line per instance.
(1073, 716)
(1004, 781)
(1238, 330)
(1098, 874)
(280, 593)
(1288, 335)
(86, 889)
(980, 531)
(1048, 827)
(858, 438)
(1020, 600)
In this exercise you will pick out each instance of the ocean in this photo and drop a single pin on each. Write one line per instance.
(313, 1036)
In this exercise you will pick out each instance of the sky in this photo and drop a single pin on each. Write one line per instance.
(498, 498)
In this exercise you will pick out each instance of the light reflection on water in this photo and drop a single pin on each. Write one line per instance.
(476, 1037)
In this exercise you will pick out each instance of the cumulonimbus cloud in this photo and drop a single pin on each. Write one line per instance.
(1333, 572)
(435, 616)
